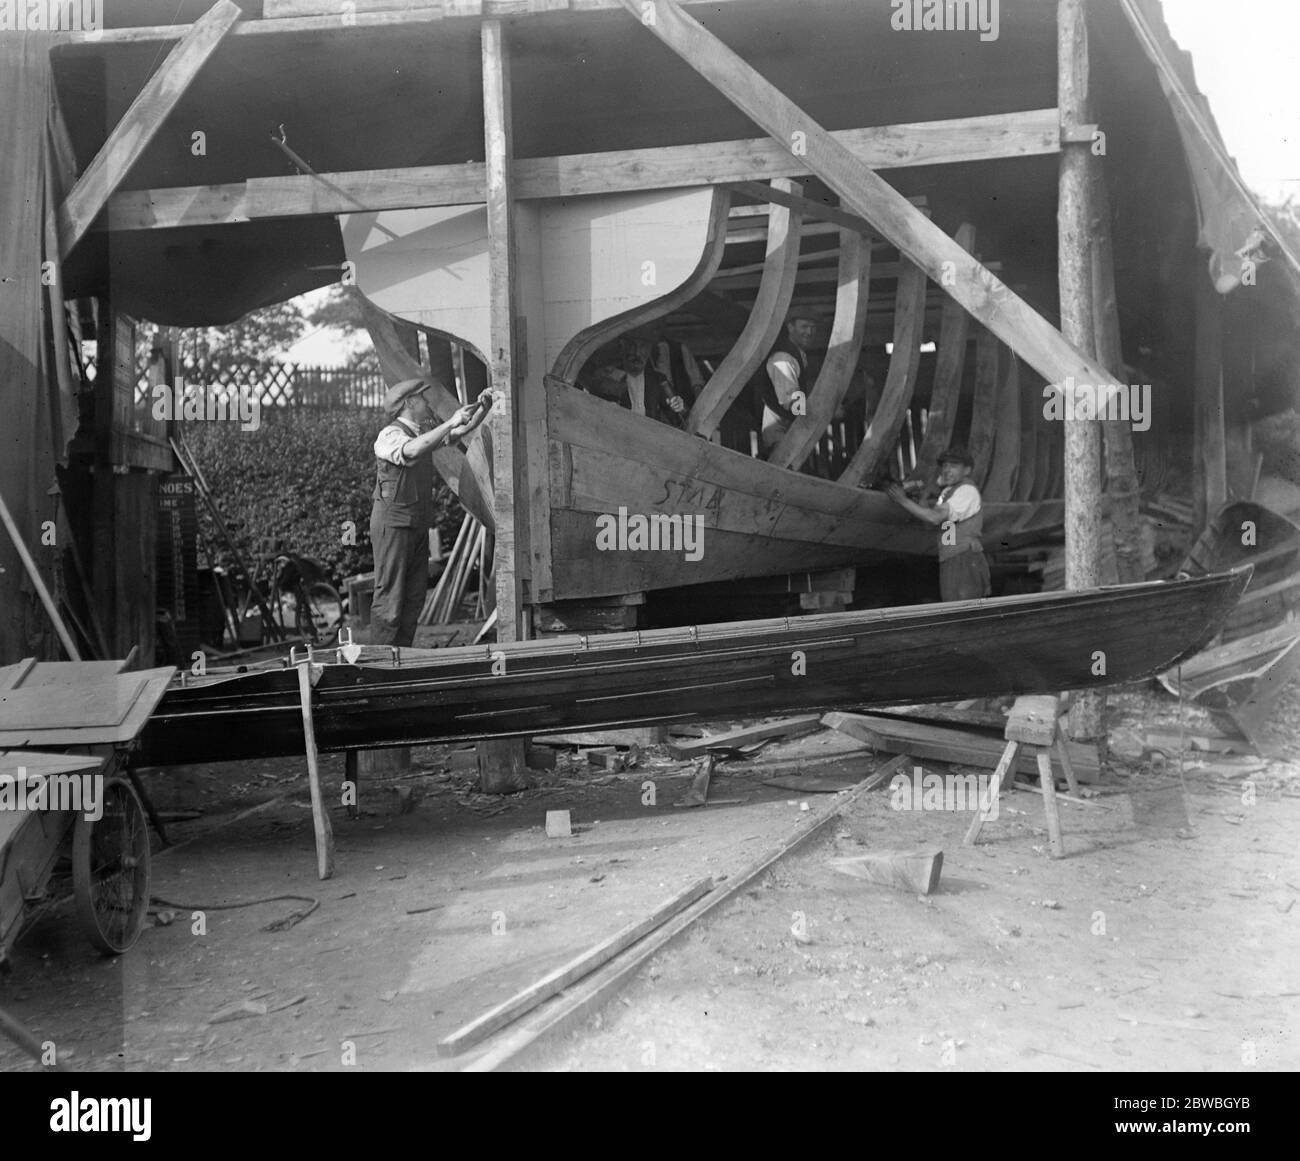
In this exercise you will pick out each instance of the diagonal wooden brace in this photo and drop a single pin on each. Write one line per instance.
(864, 193)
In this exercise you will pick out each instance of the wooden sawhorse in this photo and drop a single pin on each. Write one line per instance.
(1034, 722)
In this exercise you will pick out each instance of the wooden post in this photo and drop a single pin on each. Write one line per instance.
(1074, 271)
(319, 814)
(1209, 455)
(1131, 556)
(501, 762)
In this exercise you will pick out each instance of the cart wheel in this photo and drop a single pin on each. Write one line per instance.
(110, 870)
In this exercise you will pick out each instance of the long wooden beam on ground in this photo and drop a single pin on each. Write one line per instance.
(884, 147)
(565, 1012)
(842, 353)
(131, 136)
(950, 363)
(883, 427)
(765, 321)
(562, 977)
(863, 192)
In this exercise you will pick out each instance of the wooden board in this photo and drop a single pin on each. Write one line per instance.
(131, 136)
(430, 266)
(955, 746)
(785, 728)
(568, 1010)
(578, 175)
(149, 685)
(74, 706)
(582, 965)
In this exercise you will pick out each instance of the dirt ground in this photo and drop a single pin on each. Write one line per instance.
(1167, 939)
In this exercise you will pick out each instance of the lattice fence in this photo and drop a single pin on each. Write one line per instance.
(280, 385)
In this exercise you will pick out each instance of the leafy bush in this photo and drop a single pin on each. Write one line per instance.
(295, 481)
(1278, 437)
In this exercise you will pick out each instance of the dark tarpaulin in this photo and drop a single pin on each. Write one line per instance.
(38, 409)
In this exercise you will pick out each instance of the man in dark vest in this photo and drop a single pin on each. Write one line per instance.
(963, 571)
(634, 382)
(786, 376)
(402, 514)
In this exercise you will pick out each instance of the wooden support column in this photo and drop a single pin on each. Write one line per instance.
(1133, 556)
(501, 762)
(1074, 271)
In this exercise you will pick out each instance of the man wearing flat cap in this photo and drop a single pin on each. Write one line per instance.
(787, 377)
(963, 571)
(402, 514)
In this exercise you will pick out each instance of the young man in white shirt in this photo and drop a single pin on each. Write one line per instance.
(402, 514)
(787, 377)
(963, 571)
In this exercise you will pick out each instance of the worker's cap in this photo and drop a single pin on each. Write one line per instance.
(803, 314)
(957, 455)
(396, 396)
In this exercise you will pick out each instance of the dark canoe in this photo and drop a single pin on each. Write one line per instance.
(1039, 643)
(1244, 532)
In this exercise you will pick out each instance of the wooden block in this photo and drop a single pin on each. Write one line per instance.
(557, 824)
(959, 747)
(391, 760)
(539, 758)
(463, 760)
(916, 871)
(785, 728)
(606, 758)
(1033, 719)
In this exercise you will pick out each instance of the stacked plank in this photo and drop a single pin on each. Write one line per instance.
(468, 556)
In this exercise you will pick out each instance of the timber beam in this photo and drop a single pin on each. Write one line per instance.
(863, 192)
(131, 136)
(722, 162)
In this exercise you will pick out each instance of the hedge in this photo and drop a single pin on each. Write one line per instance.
(295, 480)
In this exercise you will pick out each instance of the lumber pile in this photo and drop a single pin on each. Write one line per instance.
(961, 747)
(469, 557)
(750, 738)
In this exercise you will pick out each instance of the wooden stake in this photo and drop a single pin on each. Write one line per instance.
(320, 816)
(34, 574)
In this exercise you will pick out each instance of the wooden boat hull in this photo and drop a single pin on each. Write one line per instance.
(1038, 643)
(758, 519)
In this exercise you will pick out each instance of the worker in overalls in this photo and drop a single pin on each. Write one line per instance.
(963, 571)
(402, 515)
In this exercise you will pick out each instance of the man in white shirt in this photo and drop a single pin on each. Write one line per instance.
(787, 377)
(634, 382)
(963, 571)
(402, 514)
